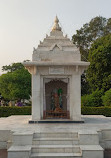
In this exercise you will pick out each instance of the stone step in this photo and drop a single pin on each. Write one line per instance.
(55, 141)
(19, 151)
(55, 149)
(88, 138)
(56, 155)
(92, 151)
(56, 135)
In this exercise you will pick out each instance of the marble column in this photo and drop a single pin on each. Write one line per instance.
(36, 97)
(75, 97)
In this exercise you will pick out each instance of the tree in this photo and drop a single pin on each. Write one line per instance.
(85, 88)
(16, 84)
(84, 38)
(99, 71)
(13, 67)
(107, 98)
(86, 35)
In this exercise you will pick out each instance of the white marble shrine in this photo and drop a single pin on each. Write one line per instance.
(56, 69)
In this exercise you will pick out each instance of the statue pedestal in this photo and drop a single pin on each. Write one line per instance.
(57, 114)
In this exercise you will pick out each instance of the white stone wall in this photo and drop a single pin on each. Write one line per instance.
(55, 55)
(38, 100)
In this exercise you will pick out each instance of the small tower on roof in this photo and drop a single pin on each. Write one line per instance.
(56, 26)
(56, 69)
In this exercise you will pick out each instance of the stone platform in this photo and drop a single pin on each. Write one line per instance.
(83, 140)
(19, 123)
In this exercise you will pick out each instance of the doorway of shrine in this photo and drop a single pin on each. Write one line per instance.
(56, 99)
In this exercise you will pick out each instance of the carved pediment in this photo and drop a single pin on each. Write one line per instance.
(56, 47)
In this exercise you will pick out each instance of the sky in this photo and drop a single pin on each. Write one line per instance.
(23, 23)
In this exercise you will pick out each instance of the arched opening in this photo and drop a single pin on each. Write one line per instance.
(56, 99)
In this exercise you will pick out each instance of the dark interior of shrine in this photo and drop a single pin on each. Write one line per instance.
(56, 99)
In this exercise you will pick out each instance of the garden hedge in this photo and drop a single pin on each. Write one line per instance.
(92, 100)
(8, 111)
(104, 110)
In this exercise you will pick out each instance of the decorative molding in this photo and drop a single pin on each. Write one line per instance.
(55, 45)
(83, 69)
(46, 80)
(32, 69)
(77, 68)
(56, 70)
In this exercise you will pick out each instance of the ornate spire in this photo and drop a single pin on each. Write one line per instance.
(56, 26)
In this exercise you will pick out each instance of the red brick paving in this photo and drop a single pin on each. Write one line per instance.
(107, 153)
(3, 153)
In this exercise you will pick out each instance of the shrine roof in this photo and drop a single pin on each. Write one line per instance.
(52, 63)
(56, 38)
(56, 49)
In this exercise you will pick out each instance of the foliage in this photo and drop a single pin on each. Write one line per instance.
(85, 88)
(8, 111)
(99, 71)
(84, 38)
(104, 110)
(92, 100)
(107, 98)
(16, 85)
(86, 35)
(1, 96)
(13, 67)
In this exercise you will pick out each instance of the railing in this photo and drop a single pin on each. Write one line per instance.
(56, 114)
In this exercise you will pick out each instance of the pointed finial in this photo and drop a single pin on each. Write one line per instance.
(56, 19)
(56, 26)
